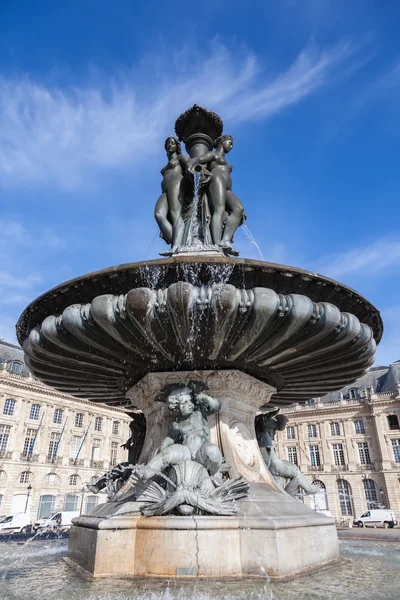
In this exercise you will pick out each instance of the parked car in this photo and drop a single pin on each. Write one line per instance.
(375, 517)
(62, 519)
(18, 523)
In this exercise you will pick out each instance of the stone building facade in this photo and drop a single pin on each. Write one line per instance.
(349, 441)
(51, 444)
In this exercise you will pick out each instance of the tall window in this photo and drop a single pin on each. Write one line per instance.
(338, 454)
(115, 427)
(70, 502)
(354, 393)
(344, 492)
(91, 503)
(335, 428)
(359, 426)
(54, 439)
(58, 415)
(96, 450)
(4, 437)
(1, 500)
(25, 477)
(74, 445)
(35, 412)
(363, 451)
(46, 506)
(79, 420)
(396, 450)
(314, 456)
(98, 424)
(312, 431)
(15, 367)
(113, 454)
(9, 406)
(370, 493)
(29, 437)
(393, 422)
(319, 501)
(290, 433)
(292, 454)
(73, 480)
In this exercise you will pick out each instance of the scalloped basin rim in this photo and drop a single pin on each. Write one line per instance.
(121, 278)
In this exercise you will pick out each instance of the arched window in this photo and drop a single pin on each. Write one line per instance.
(70, 502)
(319, 501)
(344, 491)
(370, 493)
(15, 366)
(73, 479)
(91, 503)
(46, 506)
(3, 477)
(25, 477)
(9, 406)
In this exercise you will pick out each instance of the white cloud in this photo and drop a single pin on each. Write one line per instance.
(367, 260)
(62, 136)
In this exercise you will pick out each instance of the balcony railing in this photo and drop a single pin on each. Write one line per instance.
(77, 462)
(29, 457)
(97, 464)
(339, 468)
(5, 454)
(367, 467)
(315, 468)
(54, 460)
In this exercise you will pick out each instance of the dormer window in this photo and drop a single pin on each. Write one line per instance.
(15, 367)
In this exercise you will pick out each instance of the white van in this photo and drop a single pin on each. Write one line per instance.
(373, 518)
(15, 523)
(50, 521)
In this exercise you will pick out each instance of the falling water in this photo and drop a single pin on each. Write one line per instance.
(152, 276)
(252, 239)
(194, 231)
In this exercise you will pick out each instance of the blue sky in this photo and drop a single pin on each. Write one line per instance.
(309, 89)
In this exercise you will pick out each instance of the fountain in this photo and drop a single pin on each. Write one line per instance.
(201, 345)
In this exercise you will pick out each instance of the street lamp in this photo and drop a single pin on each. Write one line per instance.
(27, 497)
(83, 490)
(382, 493)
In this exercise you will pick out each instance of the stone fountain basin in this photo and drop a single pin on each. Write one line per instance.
(97, 335)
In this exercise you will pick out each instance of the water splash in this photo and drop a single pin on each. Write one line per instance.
(152, 276)
(252, 240)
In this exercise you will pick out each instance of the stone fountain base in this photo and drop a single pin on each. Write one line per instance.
(273, 534)
(212, 547)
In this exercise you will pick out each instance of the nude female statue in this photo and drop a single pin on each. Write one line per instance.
(266, 426)
(189, 434)
(168, 207)
(222, 200)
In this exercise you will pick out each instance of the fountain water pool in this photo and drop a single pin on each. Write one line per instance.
(37, 570)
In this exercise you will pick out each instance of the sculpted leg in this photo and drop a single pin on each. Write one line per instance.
(175, 212)
(209, 455)
(172, 455)
(217, 194)
(235, 217)
(161, 215)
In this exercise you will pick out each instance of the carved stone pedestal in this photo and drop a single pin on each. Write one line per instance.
(273, 534)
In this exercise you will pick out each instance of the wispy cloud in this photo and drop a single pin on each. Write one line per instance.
(62, 136)
(371, 259)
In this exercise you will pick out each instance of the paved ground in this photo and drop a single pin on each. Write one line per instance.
(369, 533)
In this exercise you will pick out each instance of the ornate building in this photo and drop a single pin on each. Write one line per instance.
(50, 443)
(349, 441)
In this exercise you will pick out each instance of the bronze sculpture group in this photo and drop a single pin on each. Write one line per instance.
(221, 211)
(187, 474)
